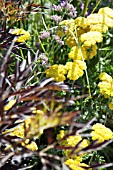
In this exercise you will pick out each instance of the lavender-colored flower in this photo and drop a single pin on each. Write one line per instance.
(69, 6)
(72, 10)
(81, 5)
(57, 8)
(57, 38)
(63, 4)
(44, 60)
(44, 35)
(72, 14)
(56, 18)
(64, 1)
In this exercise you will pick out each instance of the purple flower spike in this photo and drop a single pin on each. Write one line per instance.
(44, 35)
(57, 38)
(63, 4)
(56, 18)
(57, 8)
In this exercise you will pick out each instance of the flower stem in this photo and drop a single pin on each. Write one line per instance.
(85, 7)
(96, 6)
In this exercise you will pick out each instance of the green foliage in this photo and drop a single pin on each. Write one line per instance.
(52, 115)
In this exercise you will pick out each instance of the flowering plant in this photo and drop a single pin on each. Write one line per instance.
(56, 85)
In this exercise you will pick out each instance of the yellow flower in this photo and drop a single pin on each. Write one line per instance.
(69, 27)
(110, 105)
(75, 69)
(102, 19)
(84, 144)
(83, 52)
(9, 105)
(106, 86)
(95, 18)
(31, 146)
(91, 38)
(33, 126)
(19, 131)
(57, 72)
(24, 35)
(81, 30)
(76, 165)
(70, 24)
(37, 112)
(81, 22)
(99, 27)
(70, 41)
(73, 140)
(106, 11)
(101, 133)
(105, 77)
(61, 134)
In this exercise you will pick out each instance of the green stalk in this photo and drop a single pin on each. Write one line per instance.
(85, 7)
(94, 153)
(96, 6)
(22, 55)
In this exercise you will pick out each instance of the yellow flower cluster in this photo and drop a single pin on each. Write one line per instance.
(107, 11)
(101, 133)
(29, 125)
(74, 70)
(101, 21)
(92, 27)
(70, 24)
(73, 161)
(72, 141)
(32, 146)
(57, 72)
(61, 134)
(82, 35)
(106, 87)
(24, 35)
(90, 38)
(19, 131)
(76, 165)
(34, 126)
(110, 105)
(83, 53)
